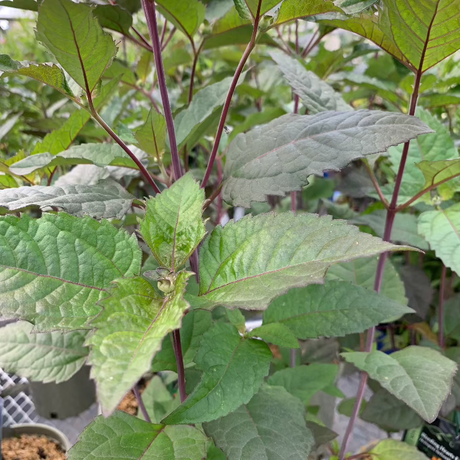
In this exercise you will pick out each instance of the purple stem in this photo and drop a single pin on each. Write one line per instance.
(138, 396)
(180, 365)
(441, 307)
(150, 14)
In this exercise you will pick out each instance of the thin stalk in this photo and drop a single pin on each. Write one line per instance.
(150, 14)
(228, 101)
(297, 50)
(170, 36)
(196, 54)
(180, 364)
(141, 404)
(442, 289)
(143, 39)
(50, 180)
(163, 32)
(376, 184)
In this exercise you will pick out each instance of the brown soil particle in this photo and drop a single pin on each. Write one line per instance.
(27, 447)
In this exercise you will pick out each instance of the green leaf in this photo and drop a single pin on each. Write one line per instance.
(296, 9)
(173, 227)
(305, 381)
(354, 6)
(194, 325)
(257, 118)
(54, 269)
(243, 10)
(264, 7)
(334, 309)
(97, 154)
(315, 93)
(114, 18)
(404, 227)
(158, 401)
(105, 200)
(291, 251)
(186, 16)
(8, 125)
(390, 449)
(129, 332)
(453, 353)
(362, 273)
(436, 173)
(70, 31)
(419, 34)
(321, 434)
(254, 432)
(419, 376)
(224, 385)
(278, 157)
(31, 5)
(127, 437)
(441, 229)
(45, 357)
(390, 413)
(275, 333)
(151, 136)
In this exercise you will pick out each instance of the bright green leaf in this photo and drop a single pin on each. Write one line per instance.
(151, 136)
(114, 18)
(31, 5)
(390, 449)
(296, 9)
(275, 333)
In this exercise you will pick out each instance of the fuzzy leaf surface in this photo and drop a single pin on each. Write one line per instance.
(419, 376)
(232, 373)
(334, 309)
(248, 263)
(71, 32)
(54, 269)
(253, 431)
(173, 226)
(129, 332)
(45, 357)
(278, 157)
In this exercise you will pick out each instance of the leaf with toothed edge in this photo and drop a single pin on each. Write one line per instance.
(129, 331)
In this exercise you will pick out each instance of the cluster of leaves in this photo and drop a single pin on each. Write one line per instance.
(109, 251)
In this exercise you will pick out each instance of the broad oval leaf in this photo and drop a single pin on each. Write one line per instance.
(278, 157)
(334, 309)
(252, 431)
(70, 31)
(173, 227)
(129, 331)
(45, 357)
(54, 269)
(248, 263)
(232, 373)
(419, 376)
(127, 437)
(105, 200)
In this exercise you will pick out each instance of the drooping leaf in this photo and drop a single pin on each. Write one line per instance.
(296, 9)
(44, 357)
(421, 377)
(158, 401)
(305, 381)
(252, 431)
(114, 18)
(275, 333)
(71, 32)
(278, 157)
(315, 93)
(321, 434)
(105, 200)
(97, 154)
(391, 449)
(232, 373)
(173, 226)
(54, 269)
(31, 5)
(129, 332)
(152, 135)
(334, 309)
(289, 251)
(125, 436)
(441, 229)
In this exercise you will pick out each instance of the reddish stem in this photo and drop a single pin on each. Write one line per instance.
(180, 365)
(141, 404)
(442, 289)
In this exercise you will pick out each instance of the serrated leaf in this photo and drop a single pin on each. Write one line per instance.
(129, 332)
(173, 227)
(390, 413)
(390, 449)
(71, 32)
(151, 136)
(278, 157)
(45, 357)
(252, 431)
(232, 373)
(305, 381)
(441, 229)
(315, 93)
(289, 251)
(275, 333)
(127, 437)
(97, 154)
(186, 16)
(105, 200)
(334, 309)
(419, 376)
(114, 17)
(54, 269)
(296, 9)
